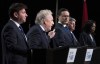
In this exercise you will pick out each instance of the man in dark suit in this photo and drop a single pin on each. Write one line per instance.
(62, 36)
(14, 41)
(37, 36)
(71, 26)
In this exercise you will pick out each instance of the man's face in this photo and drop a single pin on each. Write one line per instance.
(48, 22)
(64, 17)
(71, 25)
(21, 16)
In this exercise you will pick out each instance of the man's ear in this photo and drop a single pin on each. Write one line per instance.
(16, 14)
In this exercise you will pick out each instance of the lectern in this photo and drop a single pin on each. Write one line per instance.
(49, 56)
(80, 55)
(88, 55)
(96, 56)
(60, 55)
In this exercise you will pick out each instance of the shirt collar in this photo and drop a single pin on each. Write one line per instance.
(17, 24)
(62, 24)
(42, 27)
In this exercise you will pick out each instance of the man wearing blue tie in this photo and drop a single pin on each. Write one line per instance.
(14, 43)
(62, 37)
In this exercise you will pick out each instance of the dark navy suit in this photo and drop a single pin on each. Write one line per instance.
(62, 37)
(38, 38)
(14, 45)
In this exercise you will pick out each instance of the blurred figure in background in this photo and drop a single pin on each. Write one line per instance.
(86, 37)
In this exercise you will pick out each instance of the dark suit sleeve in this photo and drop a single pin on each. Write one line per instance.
(11, 41)
(34, 39)
(59, 38)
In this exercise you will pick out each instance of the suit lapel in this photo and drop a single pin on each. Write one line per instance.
(18, 30)
(44, 36)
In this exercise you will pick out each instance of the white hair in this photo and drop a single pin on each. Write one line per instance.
(42, 15)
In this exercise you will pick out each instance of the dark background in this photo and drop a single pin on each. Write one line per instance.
(75, 8)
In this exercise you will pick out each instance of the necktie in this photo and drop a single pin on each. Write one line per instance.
(74, 37)
(75, 40)
(21, 29)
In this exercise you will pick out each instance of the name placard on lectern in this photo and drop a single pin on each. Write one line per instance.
(76, 55)
(71, 55)
(88, 55)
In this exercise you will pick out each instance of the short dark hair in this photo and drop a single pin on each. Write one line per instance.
(16, 7)
(60, 10)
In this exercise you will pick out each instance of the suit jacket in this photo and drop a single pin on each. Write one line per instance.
(37, 38)
(62, 37)
(86, 40)
(14, 45)
(75, 40)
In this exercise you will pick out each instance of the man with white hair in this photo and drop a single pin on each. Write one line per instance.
(37, 36)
